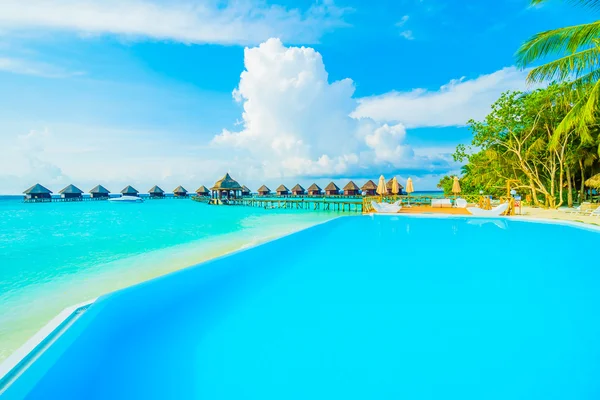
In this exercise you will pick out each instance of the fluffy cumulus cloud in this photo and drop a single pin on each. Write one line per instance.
(188, 21)
(297, 123)
(452, 105)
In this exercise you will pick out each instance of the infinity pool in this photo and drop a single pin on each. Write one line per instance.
(356, 308)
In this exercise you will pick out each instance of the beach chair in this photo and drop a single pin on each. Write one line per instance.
(460, 203)
(592, 213)
(574, 211)
(385, 208)
(494, 212)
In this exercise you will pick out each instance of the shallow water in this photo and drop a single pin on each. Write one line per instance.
(356, 308)
(54, 255)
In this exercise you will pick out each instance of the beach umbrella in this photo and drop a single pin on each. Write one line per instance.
(456, 186)
(395, 187)
(409, 189)
(593, 182)
(381, 187)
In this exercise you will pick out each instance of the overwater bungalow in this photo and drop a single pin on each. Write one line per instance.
(203, 191)
(332, 189)
(388, 185)
(282, 191)
(246, 191)
(180, 191)
(37, 191)
(99, 192)
(351, 189)
(298, 190)
(71, 192)
(369, 188)
(156, 192)
(314, 190)
(264, 191)
(129, 191)
(226, 187)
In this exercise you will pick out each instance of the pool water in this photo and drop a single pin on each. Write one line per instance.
(355, 308)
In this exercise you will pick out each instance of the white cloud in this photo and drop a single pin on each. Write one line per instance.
(26, 67)
(452, 105)
(408, 35)
(403, 21)
(188, 21)
(296, 123)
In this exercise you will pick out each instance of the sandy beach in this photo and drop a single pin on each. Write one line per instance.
(560, 214)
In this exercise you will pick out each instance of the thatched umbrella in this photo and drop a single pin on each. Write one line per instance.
(409, 188)
(456, 187)
(395, 186)
(593, 182)
(381, 187)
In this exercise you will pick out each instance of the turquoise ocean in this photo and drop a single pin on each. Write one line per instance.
(54, 255)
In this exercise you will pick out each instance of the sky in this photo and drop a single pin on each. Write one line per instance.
(146, 92)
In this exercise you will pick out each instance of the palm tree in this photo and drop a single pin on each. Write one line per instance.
(578, 51)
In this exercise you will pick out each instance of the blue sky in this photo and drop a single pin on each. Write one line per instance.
(151, 92)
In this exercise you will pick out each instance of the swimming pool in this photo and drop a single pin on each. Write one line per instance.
(358, 307)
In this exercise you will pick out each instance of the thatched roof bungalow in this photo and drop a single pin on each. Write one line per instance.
(226, 187)
(203, 191)
(246, 191)
(99, 192)
(351, 189)
(180, 191)
(332, 189)
(388, 185)
(593, 182)
(71, 192)
(129, 191)
(314, 190)
(264, 191)
(156, 192)
(298, 190)
(37, 191)
(282, 191)
(369, 188)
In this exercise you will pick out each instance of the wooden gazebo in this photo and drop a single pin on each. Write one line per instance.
(100, 192)
(298, 190)
(282, 191)
(369, 188)
(71, 192)
(388, 186)
(226, 187)
(156, 192)
(332, 189)
(203, 191)
(246, 191)
(314, 190)
(129, 191)
(180, 191)
(263, 191)
(351, 189)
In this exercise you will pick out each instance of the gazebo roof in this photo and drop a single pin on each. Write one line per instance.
(99, 189)
(246, 189)
(179, 189)
(202, 189)
(129, 190)
(332, 186)
(263, 189)
(71, 189)
(37, 189)
(297, 188)
(314, 188)
(227, 183)
(282, 188)
(351, 186)
(155, 190)
(370, 185)
(593, 182)
(389, 185)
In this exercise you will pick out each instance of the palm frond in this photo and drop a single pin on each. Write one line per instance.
(558, 41)
(585, 3)
(580, 117)
(572, 65)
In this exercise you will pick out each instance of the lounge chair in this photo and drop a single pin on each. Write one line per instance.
(592, 213)
(574, 211)
(460, 203)
(386, 208)
(441, 203)
(494, 212)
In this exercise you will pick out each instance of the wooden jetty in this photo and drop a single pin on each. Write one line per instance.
(315, 204)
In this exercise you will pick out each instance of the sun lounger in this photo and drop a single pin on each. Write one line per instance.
(460, 203)
(386, 208)
(494, 212)
(441, 203)
(592, 213)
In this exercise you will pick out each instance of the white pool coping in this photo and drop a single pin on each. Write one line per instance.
(24, 356)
